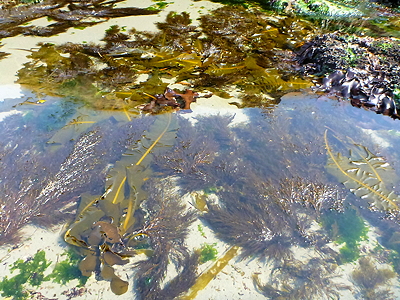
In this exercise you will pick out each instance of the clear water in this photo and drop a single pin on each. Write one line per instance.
(294, 201)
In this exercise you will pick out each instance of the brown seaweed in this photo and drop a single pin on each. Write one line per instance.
(45, 188)
(270, 220)
(67, 14)
(370, 280)
(313, 279)
(104, 228)
(165, 228)
(209, 63)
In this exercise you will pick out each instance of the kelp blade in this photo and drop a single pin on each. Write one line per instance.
(364, 176)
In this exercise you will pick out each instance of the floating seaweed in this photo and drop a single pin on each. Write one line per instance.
(213, 62)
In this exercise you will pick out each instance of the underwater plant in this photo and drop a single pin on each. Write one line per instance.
(46, 186)
(371, 279)
(313, 279)
(105, 227)
(267, 221)
(366, 175)
(165, 229)
(346, 227)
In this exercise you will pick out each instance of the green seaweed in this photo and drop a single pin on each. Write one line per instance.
(30, 271)
(346, 228)
(67, 270)
(208, 252)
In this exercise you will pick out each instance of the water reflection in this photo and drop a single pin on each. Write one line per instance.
(265, 187)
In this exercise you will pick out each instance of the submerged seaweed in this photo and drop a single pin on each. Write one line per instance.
(370, 280)
(269, 220)
(165, 227)
(46, 185)
(313, 279)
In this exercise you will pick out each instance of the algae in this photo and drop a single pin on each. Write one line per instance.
(348, 228)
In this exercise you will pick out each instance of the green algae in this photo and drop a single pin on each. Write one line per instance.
(31, 273)
(208, 252)
(346, 228)
(67, 269)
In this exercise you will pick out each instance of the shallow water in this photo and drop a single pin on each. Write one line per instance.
(294, 200)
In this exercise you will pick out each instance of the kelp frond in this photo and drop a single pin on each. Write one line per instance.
(362, 173)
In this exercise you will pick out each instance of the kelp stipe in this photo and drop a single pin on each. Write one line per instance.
(365, 175)
(103, 225)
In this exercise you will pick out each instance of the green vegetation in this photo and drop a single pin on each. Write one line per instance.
(208, 252)
(348, 228)
(31, 272)
(67, 270)
(201, 230)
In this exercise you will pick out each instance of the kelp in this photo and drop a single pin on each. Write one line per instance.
(204, 278)
(64, 14)
(366, 175)
(231, 47)
(49, 180)
(104, 225)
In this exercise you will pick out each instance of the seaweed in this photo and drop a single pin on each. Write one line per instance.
(347, 227)
(208, 252)
(313, 279)
(67, 269)
(67, 14)
(231, 47)
(267, 221)
(365, 175)
(104, 227)
(165, 227)
(370, 280)
(45, 189)
(30, 272)
(202, 280)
